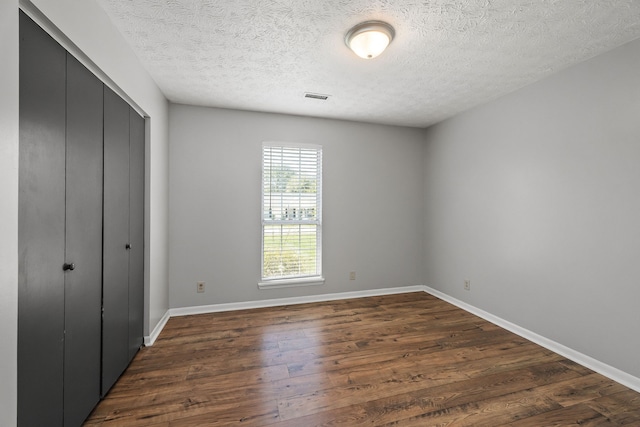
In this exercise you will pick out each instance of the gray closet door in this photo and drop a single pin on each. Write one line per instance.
(81, 234)
(83, 284)
(115, 291)
(136, 232)
(41, 227)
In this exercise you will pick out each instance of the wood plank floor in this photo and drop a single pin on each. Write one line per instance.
(404, 360)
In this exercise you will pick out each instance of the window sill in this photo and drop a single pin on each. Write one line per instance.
(288, 283)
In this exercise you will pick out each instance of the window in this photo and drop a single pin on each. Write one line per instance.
(291, 215)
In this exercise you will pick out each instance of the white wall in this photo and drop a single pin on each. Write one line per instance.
(8, 210)
(535, 199)
(89, 28)
(372, 203)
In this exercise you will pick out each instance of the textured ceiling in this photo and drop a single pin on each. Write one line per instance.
(448, 56)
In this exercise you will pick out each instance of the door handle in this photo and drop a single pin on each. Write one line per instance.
(127, 246)
(68, 266)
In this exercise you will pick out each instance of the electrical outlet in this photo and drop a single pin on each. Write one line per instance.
(352, 275)
(200, 287)
(467, 285)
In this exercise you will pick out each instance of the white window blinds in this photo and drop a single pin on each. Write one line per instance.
(291, 211)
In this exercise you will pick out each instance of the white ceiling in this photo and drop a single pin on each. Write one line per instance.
(448, 56)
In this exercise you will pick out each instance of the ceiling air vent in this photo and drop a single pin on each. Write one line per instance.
(316, 96)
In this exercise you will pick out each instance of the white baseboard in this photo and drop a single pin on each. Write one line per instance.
(149, 340)
(584, 360)
(215, 308)
(608, 371)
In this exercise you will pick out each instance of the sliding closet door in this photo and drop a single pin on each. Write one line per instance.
(115, 293)
(136, 232)
(41, 227)
(83, 284)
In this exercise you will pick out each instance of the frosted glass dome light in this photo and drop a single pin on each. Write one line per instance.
(369, 39)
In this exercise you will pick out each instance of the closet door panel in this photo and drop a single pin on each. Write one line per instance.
(83, 284)
(136, 232)
(41, 227)
(115, 327)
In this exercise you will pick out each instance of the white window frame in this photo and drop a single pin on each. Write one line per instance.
(306, 280)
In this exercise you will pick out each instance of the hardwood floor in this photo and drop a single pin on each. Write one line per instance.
(404, 360)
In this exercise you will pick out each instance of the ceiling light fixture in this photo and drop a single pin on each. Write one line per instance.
(369, 39)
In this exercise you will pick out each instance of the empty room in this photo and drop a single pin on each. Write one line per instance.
(314, 213)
